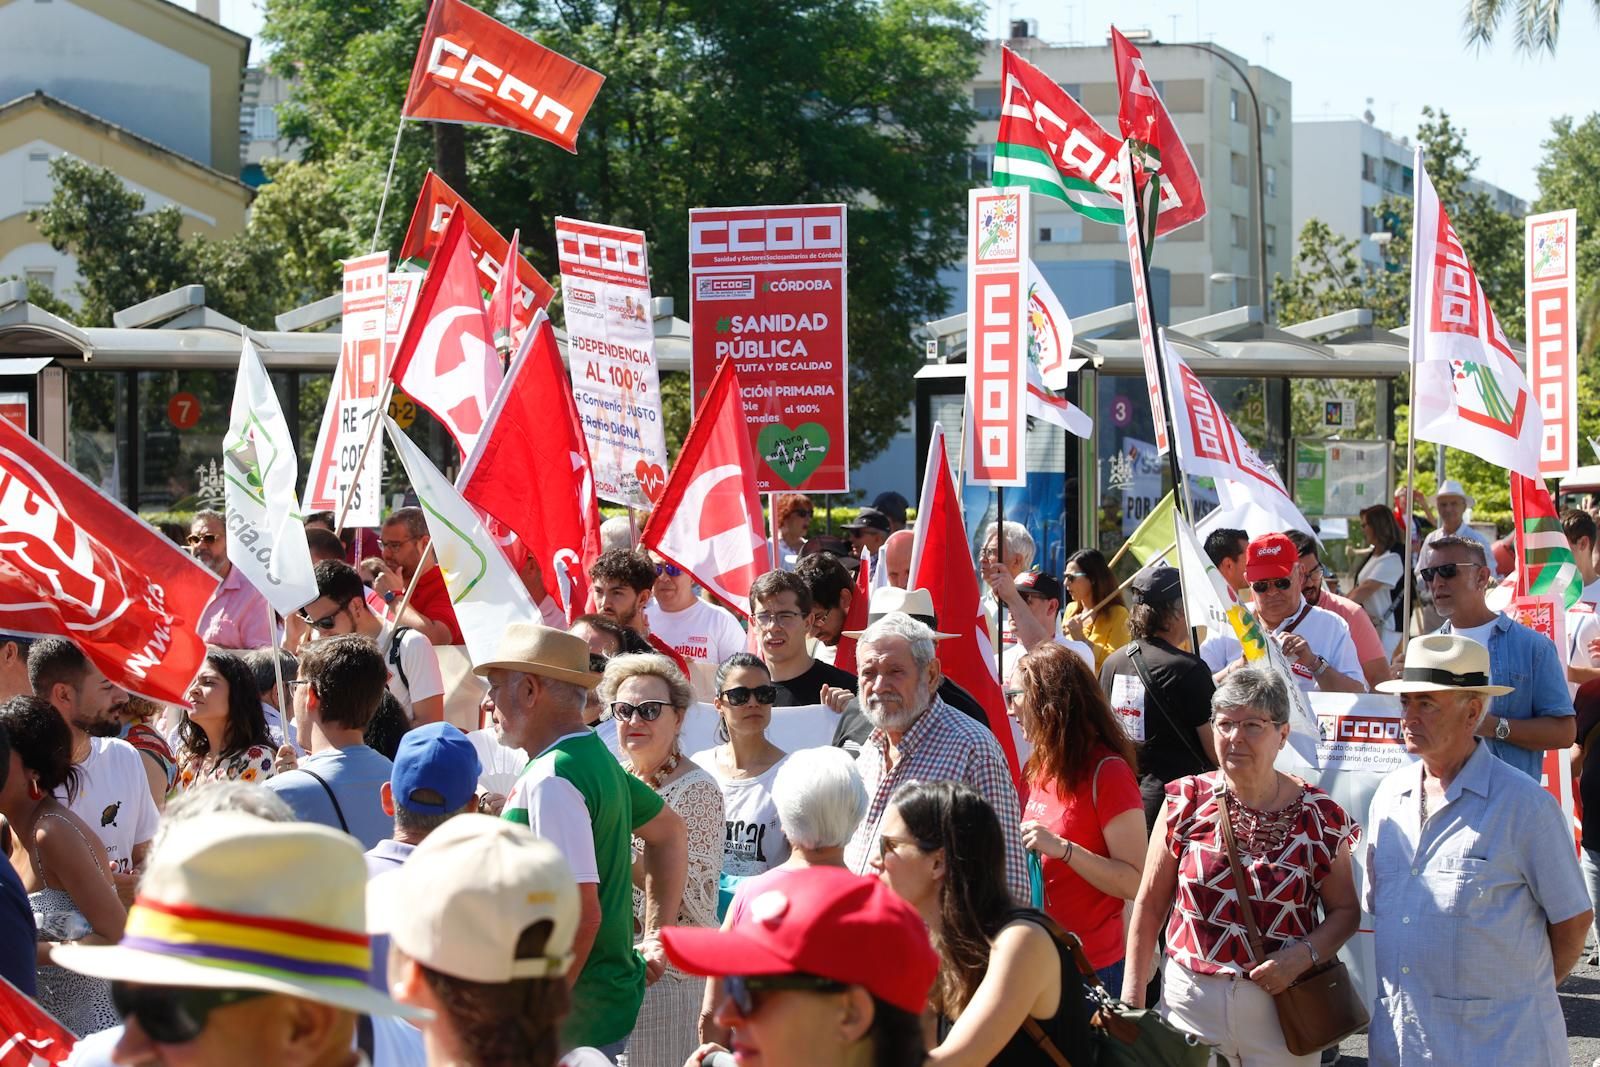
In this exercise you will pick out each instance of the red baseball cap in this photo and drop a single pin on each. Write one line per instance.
(823, 921)
(1272, 555)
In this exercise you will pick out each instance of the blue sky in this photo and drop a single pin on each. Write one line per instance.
(1404, 54)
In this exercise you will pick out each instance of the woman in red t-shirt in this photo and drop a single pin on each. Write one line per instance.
(1084, 816)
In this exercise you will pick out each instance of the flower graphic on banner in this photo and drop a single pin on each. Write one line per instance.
(1549, 251)
(997, 228)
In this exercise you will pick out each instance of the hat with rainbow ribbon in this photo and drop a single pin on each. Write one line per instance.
(234, 902)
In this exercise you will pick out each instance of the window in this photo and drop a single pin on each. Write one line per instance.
(45, 276)
(1235, 104)
(987, 103)
(1270, 119)
(1239, 167)
(36, 179)
(266, 123)
(1369, 220)
(1044, 235)
(980, 162)
(1241, 232)
(1272, 239)
(1272, 180)
(1369, 169)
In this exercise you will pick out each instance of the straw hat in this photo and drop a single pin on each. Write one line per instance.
(918, 603)
(234, 902)
(1451, 487)
(1445, 663)
(529, 648)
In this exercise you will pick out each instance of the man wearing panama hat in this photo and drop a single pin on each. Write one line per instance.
(1472, 880)
(1452, 503)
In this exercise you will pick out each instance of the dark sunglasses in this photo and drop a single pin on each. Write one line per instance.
(740, 695)
(327, 622)
(802, 513)
(173, 1015)
(670, 570)
(202, 539)
(646, 710)
(1072, 576)
(1279, 584)
(1446, 571)
(742, 989)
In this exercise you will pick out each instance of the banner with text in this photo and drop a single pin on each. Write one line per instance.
(1140, 279)
(997, 337)
(767, 287)
(353, 399)
(605, 289)
(1551, 273)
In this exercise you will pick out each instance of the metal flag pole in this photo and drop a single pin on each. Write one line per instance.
(772, 537)
(361, 457)
(999, 601)
(284, 711)
(1411, 420)
(383, 201)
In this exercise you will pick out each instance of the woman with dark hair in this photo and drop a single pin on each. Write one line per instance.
(1097, 614)
(1084, 817)
(1379, 577)
(225, 734)
(62, 865)
(942, 851)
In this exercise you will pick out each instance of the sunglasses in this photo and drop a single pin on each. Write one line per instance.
(1073, 576)
(888, 845)
(1280, 584)
(740, 695)
(646, 710)
(742, 989)
(202, 539)
(173, 1015)
(327, 622)
(669, 570)
(1446, 571)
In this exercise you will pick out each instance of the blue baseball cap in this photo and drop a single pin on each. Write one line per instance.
(439, 757)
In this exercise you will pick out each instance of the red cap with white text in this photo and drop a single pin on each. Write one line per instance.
(1272, 555)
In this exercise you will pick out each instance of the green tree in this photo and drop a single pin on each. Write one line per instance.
(1537, 23)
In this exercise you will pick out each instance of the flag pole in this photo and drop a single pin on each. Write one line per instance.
(772, 537)
(361, 457)
(1411, 417)
(411, 586)
(383, 201)
(284, 711)
(999, 601)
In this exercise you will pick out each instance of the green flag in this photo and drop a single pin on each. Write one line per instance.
(1154, 535)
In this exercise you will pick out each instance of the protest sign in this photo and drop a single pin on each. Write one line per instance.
(997, 328)
(605, 290)
(1551, 274)
(1140, 280)
(353, 399)
(1359, 732)
(767, 288)
(1545, 614)
(1339, 478)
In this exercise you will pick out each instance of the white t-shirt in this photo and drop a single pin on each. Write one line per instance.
(419, 664)
(754, 842)
(1014, 652)
(1463, 531)
(700, 631)
(1479, 634)
(558, 813)
(1326, 633)
(1387, 570)
(114, 799)
(1591, 593)
(1583, 626)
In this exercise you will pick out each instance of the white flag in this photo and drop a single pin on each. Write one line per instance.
(1049, 332)
(1256, 513)
(485, 592)
(266, 532)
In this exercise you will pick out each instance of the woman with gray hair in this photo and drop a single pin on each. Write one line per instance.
(649, 696)
(1293, 844)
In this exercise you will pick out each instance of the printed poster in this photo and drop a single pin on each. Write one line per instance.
(1359, 732)
(358, 379)
(1551, 275)
(1127, 700)
(997, 337)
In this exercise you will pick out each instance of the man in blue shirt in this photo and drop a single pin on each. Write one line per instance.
(1537, 715)
(341, 681)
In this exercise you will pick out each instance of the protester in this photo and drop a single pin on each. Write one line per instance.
(1371, 650)
(237, 615)
(616, 533)
(341, 608)
(791, 517)
(1585, 757)
(224, 736)
(942, 851)
(894, 507)
(694, 629)
(1537, 714)
(1084, 816)
(137, 716)
(830, 970)
(18, 934)
(606, 640)
(621, 584)
(832, 592)
(1479, 910)
(1294, 843)
(574, 793)
(405, 552)
(1033, 610)
(918, 737)
(434, 779)
(744, 765)
(780, 603)
(1096, 614)
(1583, 539)
(896, 556)
(869, 530)
(1452, 503)
(113, 795)
(1018, 552)
(267, 672)
(60, 864)
(1161, 690)
(1378, 582)
(14, 666)
(648, 697)
(341, 682)
(1225, 547)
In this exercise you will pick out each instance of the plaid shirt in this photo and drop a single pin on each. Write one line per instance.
(943, 744)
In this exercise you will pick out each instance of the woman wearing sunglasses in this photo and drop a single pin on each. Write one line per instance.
(225, 734)
(648, 697)
(791, 514)
(61, 864)
(1097, 614)
(745, 766)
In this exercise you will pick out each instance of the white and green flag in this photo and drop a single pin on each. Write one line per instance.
(266, 531)
(1048, 144)
(486, 593)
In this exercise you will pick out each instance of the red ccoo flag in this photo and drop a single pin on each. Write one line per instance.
(533, 427)
(29, 1035)
(708, 518)
(436, 203)
(501, 321)
(941, 563)
(471, 68)
(1143, 118)
(76, 564)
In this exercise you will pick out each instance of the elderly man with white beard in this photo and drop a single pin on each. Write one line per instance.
(918, 737)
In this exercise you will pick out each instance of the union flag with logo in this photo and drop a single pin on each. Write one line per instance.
(31, 1036)
(1143, 119)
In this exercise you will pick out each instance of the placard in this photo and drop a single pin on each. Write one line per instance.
(1339, 414)
(1339, 478)
(363, 367)
(997, 337)
(767, 287)
(1359, 732)
(1128, 701)
(1551, 274)
(1544, 614)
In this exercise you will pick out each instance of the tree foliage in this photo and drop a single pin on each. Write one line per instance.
(1536, 24)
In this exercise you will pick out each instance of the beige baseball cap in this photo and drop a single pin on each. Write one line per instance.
(465, 895)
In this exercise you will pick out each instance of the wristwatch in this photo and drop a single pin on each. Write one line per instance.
(1502, 728)
(388, 596)
(1322, 665)
(1306, 941)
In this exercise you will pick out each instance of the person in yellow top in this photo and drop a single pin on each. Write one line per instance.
(1089, 581)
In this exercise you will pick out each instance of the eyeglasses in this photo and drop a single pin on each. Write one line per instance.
(1073, 576)
(1280, 584)
(740, 695)
(888, 845)
(327, 622)
(782, 618)
(742, 990)
(1011, 695)
(395, 546)
(646, 710)
(1446, 571)
(797, 513)
(1250, 729)
(668, 570)
(173, 1015)
(202, 539)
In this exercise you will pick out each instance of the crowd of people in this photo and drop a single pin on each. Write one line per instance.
(615, 857)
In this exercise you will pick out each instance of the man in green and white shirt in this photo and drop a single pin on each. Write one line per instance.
(575, 794)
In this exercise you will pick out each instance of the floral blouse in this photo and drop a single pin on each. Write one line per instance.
(698, 799)
(254, 764)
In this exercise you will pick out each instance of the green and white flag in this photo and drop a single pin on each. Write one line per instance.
(266, 531)
(486, 593)
(1048, 144)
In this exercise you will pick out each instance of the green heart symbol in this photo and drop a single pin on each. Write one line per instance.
(793, 454)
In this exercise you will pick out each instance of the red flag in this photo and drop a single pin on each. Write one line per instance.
(506, 335)
(446, 361)
(76, 564)
(533, 426)
(471, 68)
(856, 617)
(708, 517)
(1142, 117)
(29, 1035)
(941, 563)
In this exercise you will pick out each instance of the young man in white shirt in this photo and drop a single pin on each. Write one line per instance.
(1033, 615)
(694, 628)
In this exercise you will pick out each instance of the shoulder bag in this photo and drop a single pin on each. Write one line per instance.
(1322, 1007)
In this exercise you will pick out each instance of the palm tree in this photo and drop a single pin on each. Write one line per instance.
(1538, 22)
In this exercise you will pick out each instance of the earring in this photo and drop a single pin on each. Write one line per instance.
(34, 792)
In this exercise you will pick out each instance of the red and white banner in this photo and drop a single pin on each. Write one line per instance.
(1143, 117)
(997, 337)
(708, 520)
(1141, 301)
(1471, 392)
(605, 290)
(29, 1035)
(501, 321)
(474, 69)
(435, 203)
(446, 361)
(767, 289)
(353, 397)
(1551, 273)
(76, 564)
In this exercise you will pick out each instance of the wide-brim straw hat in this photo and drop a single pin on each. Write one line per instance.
(917, 603)
(1451, 487)
(528, 648)
(1445, 663)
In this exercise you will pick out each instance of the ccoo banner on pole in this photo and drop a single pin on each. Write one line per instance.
(997, 337)
(1141, 300)
(353, 399)
(1551, 272)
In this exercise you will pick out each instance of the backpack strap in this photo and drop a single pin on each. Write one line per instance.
(1136, 657)
(326, 788)
(394, 655)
